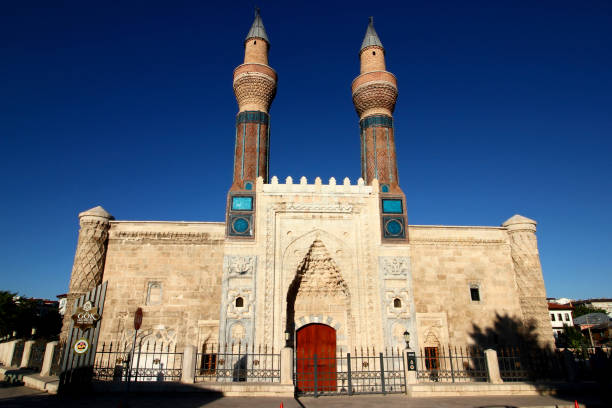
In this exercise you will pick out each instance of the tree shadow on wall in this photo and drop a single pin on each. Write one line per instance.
(577, 374)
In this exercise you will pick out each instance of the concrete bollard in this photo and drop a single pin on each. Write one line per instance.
(45, 371)
(10, 351)
(27, 351)
(493, 367)
(287, 366)
(189, 364)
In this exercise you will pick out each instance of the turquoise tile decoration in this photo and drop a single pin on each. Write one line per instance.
(393, 227)
(392, 206)
(240, 225)
(240, 203)
(385, 188)
(376, 121)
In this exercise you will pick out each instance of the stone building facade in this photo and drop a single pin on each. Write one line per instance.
(293, 253)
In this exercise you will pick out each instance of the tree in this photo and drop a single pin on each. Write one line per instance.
(581, 310)
(8, 313)
(21, 315)
(571, 337)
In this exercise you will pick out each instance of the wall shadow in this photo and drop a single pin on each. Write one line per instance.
(576, 374)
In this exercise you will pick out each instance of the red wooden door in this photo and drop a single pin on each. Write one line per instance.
(316, 339)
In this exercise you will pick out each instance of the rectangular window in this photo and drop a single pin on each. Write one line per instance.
(560, 316)
(208, 364)
(567, 317)
(475, 294)
(431, 358)
(552, 317)
(392, 206)
(242, 203)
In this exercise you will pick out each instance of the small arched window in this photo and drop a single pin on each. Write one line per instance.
(239, 302)
(254, 42)
(373, 52)
(397, 303)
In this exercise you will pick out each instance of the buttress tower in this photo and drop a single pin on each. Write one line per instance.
(255, 88)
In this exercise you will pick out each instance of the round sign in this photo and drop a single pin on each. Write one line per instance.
(138, 319)
(81, 346)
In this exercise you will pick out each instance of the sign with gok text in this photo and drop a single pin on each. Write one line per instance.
(86, 316)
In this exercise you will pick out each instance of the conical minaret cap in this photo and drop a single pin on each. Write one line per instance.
(371, 38)
(257, 29)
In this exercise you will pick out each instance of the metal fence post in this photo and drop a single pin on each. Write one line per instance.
(382, 373)
(316, 394)
(350, 381)
(450, 358)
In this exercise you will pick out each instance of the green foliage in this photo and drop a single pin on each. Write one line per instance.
(581, 310)
(572, 338)
(20, 315)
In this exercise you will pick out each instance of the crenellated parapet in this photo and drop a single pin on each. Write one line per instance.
(318, 187)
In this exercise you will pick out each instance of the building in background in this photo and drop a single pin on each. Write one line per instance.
(308, 263)
(601, 303)
(560, 316)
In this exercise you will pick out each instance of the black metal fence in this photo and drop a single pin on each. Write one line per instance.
(237, 363)
(149, 362)
(360, 372)
(528, 364)
(452, 364)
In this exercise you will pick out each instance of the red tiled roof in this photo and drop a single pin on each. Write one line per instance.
(556, 306)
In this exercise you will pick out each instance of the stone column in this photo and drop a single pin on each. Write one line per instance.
(27, 351)
(529, 279)
(48, 358)
(89, 259)
(287, 366)
(493, 367)
(189, 364)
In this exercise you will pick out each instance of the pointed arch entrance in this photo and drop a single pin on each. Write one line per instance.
(316, 358)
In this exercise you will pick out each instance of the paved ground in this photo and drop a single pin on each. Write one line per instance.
(22, 397)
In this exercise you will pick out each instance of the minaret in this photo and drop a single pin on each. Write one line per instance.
(255, 88)
(374, 95)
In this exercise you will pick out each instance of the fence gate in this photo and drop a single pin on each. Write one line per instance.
(80, 348)
(361, 372)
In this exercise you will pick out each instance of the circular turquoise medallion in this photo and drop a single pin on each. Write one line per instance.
(394, 227)
(240, 225)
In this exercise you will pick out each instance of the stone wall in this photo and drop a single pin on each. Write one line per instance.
(446, 263)
(173, 271)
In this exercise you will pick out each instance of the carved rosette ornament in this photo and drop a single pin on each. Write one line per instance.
(89, 259)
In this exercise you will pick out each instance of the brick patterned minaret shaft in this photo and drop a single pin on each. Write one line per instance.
(374, 95)
(528, 276)
(89, 259)
(255, 88)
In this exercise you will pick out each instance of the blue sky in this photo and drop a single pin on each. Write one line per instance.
(504, 107)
